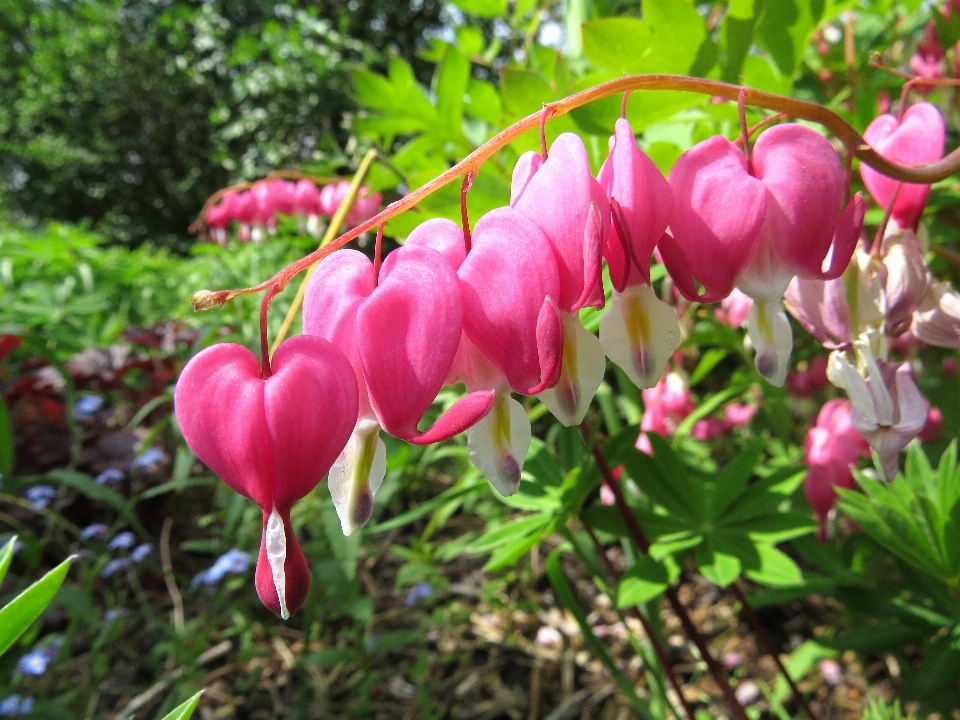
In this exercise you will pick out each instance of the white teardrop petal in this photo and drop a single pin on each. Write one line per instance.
(580, 373)
(276, 546)
(772, 338)
(499, 444)
(639, 332)
(357, 475)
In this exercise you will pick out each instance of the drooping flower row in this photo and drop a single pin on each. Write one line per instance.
(498, 311)
(256, 210)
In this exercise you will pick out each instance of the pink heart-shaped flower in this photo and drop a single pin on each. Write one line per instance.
(270, 440)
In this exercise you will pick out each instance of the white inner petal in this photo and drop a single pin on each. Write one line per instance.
(276, 541)
(357, 475)
(769, 331)
(499, 444)
(580, 374)
(639, 332)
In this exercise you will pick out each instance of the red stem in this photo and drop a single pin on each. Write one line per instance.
(922, 174)
(881, 231)
(648, 629)
(464, 216)
(265, 369)
(744, 131)
(544, 116)
(623, 105)
(378, 256)
(640, 539)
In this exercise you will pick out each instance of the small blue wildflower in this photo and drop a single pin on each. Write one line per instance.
(420, 591)
(140, 552)
(15, 705)
(36, 661)
(97, 531)
(40, 496)
(114, 566)
(114, 614)
(87, 406)
(122, 541)
(151, 456)
(234, 561)
(110, 476)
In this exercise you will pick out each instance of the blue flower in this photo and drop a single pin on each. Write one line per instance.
(140, 552)
(234, 561)
(97, 531)
(149, 457)
(114, 614)
(110, 476)
(40, 496)
(87, 406)
(36, 661)
(15, 705)
(122, 541)
(420, 591)
(114, 566)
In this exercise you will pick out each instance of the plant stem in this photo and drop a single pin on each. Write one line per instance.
(640, 539)
(771, 649)
(648, 629)
(801, 109)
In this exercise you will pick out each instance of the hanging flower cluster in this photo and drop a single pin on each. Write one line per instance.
(256, 210)
(497, 308)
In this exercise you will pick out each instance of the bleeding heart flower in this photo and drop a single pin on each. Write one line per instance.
(562, 197)
(639, 332)
(401, 337)
(937, 320)
(270, 440)
(888, 408)
(916, 139)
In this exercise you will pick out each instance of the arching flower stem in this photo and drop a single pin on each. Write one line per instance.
(464, 215)
(801, 109)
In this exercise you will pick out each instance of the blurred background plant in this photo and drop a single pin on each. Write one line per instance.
(119, 120)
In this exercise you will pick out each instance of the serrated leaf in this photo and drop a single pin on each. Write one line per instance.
(644, 471)
(185, 710)
(764, 496)
(732, 480)
(646, 579)
(26, 607)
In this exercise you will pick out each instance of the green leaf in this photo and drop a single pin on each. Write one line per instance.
(669, 493)
(741, 9)
(785, 30)
(482, 8)
(731, 482)
(509, 552)
(20, 613)
(185, 710)
(565, 594)
(6, 442)
(711, 358)
(461, 489)
(776, 569)
(483, 101)
(620, 44)
(6, 557)
(719, 567)
(507, 531)
(101, 493)
(524, 91)
(470, 40)
(645, 580)
(453, 77)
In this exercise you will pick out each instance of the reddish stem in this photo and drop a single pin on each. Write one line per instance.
(378, 256)
(265, 369)
(648, 629)
(640, 539)
(623, 105)
(922, 174)
(744, 131)
(882, 230)
(753, 128)
(544, 116)
(464, 215)
(754, 620)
